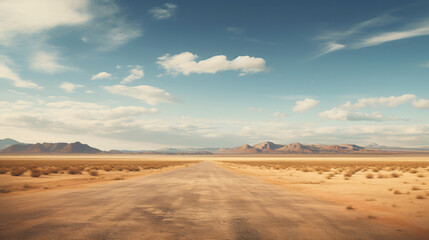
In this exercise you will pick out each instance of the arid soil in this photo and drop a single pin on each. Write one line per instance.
(391, 192)
(202, 201)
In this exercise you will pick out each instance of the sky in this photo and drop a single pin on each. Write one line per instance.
(140, 75)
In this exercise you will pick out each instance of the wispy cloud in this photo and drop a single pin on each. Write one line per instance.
(148, 94)
(328, 48)
(421, 29)
(374, 102)
(235, 30)
(7, 73)
(185, 63)
(164, 11)
(47, 62)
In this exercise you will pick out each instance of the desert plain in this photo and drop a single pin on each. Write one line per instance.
(130, 196)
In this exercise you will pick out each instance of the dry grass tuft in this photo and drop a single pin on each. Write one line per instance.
(371, 217)
(397, 192)
(350, 207)
(93, 173)
(3, 170)
(415, 188)
(420, 175)
(420, 197)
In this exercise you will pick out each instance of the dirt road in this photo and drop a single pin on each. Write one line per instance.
(203, 201)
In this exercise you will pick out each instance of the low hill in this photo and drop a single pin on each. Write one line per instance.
(76, 147)
(269, 147)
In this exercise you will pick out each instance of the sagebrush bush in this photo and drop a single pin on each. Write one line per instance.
(18, 171)
(36, 172)
(3, 170)
(369, 175)
(74, 170)
(93, 173)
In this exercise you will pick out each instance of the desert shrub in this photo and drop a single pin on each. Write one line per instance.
(74, 170)
(350, 207)
(369, 175)
(397, 192)
(420, 197)
(18, 171)
(394, 175)
(46, 172)
(107, 168)
(415, 188)
(93, 173)
(382, 175)
(36, 173)
(3, 170)
(413, 171)
(420, 175)
(53, 170)
(118, 178)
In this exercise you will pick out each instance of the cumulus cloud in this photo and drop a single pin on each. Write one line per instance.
(185, 63)
(70, 87)
(135, 73)
(30, 17)
(101, 75)
(47, 62)
(421, 103)
(9, 74)
(164, 11)
(390, 102)
(305, 105)
(149, 94)
(345, 115)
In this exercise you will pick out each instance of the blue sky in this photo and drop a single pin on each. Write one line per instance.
(152, 74)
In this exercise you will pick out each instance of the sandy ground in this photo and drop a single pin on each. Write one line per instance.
(402, 201)
(203, 201)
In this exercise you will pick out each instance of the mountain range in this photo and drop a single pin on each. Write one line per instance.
(269, 147)
(76, 147)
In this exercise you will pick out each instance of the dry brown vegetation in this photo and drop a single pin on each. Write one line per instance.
(15, 172)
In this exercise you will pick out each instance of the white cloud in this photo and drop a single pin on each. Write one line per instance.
(304, 105)
(47, 62)
(391, 102)
(7, 73)
(70, 87)
(135, 73)
(149, 94)
(118, 66)
(163, 12)
(421, 29)
(421, 103)
(101, 75)
(426, 65)
(328, 48)
(345, 115)
(185, 63)
(89, 91)
(30, 17)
